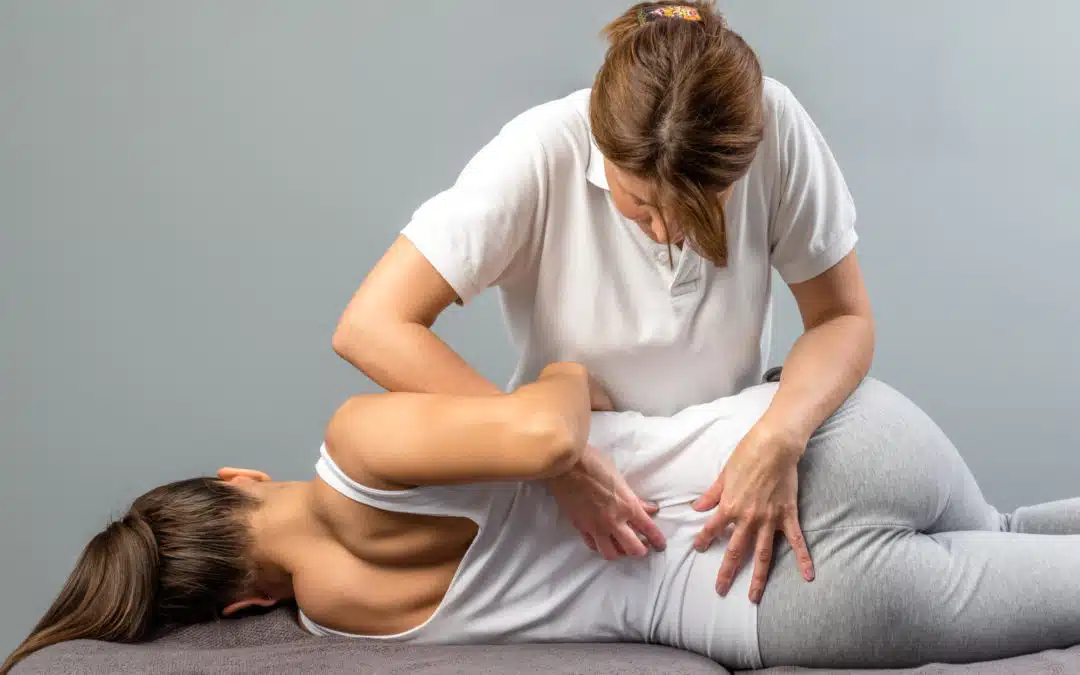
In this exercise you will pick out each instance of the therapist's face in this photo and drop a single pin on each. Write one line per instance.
(636, 200)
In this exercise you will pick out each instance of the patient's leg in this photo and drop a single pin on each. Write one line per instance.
(890, 597)
(880, 459)
(912, 564)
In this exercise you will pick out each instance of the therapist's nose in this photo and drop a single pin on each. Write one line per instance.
(656, 231)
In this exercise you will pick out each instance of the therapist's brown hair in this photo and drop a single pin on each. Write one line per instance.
(679, 102)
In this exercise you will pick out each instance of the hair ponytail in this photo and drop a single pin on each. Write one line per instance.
(109, 595)
(178, 557)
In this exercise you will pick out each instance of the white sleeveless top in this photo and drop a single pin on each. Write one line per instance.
(528, 576)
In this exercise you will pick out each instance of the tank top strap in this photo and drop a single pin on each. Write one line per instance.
(431, 500)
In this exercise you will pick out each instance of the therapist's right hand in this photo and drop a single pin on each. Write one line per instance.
(603, 508)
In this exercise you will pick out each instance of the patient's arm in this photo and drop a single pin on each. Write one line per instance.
(407, 439)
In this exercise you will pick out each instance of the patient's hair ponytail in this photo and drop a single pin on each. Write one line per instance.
(178, 557)
(109, 595)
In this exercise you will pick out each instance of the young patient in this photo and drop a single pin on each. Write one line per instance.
(425, 524)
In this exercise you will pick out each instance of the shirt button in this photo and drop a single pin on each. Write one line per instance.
(661, 256)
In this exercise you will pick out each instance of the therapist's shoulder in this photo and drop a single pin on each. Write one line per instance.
(777, 95)
(557, 129)
(787, 120)
(781, 109)
(789, 133)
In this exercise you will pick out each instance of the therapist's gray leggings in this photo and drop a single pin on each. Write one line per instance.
(913, 566)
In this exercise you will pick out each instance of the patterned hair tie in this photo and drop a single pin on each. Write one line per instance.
(647, 14)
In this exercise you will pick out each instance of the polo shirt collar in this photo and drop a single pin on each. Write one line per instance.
(595, 171)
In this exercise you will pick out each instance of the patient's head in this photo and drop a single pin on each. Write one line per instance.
(181, 555)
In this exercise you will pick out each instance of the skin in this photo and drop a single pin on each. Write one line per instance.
(362, 570)
(756, 494)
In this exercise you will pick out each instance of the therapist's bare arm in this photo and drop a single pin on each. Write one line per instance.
(385, 331)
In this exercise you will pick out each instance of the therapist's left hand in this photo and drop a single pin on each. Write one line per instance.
(756, 494)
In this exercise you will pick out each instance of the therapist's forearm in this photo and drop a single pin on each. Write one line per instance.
(411, 358)
(824, 367)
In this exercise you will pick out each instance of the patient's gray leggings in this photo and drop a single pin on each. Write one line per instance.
(913, 566)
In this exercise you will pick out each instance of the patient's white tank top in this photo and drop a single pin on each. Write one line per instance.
(528, 576)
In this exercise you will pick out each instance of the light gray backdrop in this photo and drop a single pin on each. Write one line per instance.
(191, 191)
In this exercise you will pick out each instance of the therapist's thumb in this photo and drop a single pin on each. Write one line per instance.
(711, 498)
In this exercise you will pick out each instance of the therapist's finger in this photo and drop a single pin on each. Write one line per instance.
(717, 524)
(607, 548)
(647, 527)
(793, 532)
(590, 542)
(763, 553)
(650, 507)
(628, 541)
(711, 497)
(733, 558)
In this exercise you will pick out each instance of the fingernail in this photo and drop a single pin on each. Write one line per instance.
(721, 590)
(809, 575)
(755, 596)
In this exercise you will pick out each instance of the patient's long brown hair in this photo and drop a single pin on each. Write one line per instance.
(680, 103)
(178, 557)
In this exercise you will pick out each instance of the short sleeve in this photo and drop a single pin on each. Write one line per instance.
(814, 225)
(484, 229)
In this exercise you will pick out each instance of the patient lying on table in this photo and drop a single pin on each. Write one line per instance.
(425, 523)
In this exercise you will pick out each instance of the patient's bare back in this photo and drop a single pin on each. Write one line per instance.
(377, 572)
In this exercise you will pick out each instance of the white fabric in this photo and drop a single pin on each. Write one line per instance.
(531, 214)
(528, 577)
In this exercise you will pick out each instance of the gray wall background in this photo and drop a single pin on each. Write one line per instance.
(191, 191)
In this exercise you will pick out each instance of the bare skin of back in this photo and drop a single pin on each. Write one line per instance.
(377, 572)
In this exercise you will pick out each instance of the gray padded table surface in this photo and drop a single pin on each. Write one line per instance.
(275, 643)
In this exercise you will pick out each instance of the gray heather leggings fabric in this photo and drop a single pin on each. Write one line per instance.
(913, 566)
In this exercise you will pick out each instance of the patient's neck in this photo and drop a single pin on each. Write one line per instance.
(283, 524)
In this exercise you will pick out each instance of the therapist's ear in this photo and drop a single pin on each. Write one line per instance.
(233, 475)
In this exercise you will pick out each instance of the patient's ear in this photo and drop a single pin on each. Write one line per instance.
(247, 603)
(231, 475)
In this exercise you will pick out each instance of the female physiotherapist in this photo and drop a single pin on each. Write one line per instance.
(632, 227)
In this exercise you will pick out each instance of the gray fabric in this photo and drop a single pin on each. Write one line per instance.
(913, 566)
(273, 643)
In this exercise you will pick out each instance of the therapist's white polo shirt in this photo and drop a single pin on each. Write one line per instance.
(531, 214)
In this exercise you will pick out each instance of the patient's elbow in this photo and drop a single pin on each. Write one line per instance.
(356, 334)
(344, 339)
